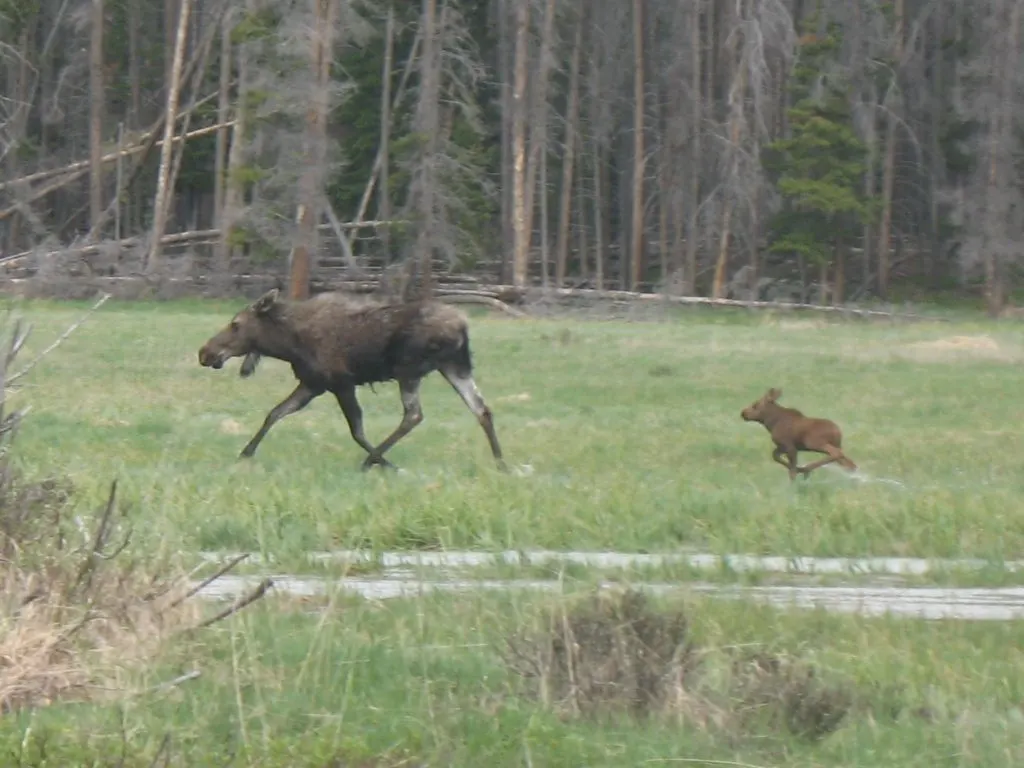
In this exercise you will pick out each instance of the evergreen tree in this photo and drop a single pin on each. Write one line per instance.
(819, 169)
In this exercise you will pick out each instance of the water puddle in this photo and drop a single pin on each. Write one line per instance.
(1001, 604)
(889, 566)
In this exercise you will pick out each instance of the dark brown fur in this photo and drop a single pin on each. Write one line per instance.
(334, 345)
(791, 432)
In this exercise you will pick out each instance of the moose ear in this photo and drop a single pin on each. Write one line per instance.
(774, 394)
(265, 303)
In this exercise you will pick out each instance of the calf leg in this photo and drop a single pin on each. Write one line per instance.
(296, 401)
(777, 455)
(834, 454)
(462, 382)
(412, 415)
(354, 416)
(794, 469)
(789, 463)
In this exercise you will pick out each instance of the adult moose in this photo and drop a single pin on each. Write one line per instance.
(336, 345)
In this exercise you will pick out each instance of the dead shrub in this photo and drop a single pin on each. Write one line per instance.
(783, 692)
(615, 653)
(77, 607)
(607, 653)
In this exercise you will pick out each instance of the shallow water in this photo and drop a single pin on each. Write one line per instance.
(926, 602)
(890, 566)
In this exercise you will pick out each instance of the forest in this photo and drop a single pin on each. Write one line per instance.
(826, 151)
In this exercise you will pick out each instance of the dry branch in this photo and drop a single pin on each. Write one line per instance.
(193, 236)
(259, 591)
(111, 157)
(60, 340)
(472, 297)
(209, 579)
(702, 300)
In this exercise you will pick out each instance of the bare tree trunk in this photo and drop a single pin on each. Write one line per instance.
(871, 145)
(223, 106)
(755, 247)
(889, 172)
(161, 204)
(696, 149)
(429, 124)
(311, 182)
(18, 91)
(636, 245)
(735, 121)
(539, 115)
(545, 255)
(233, 184)
(571, 127)
(96, 100)
(839, 286)
(507, 120)
(600, 221)
(1001, 141)
(521, 236)
(171, 10)
(581, 218)
(384, 188)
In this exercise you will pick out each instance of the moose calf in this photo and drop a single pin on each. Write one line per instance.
(791, 432)
(335, 345)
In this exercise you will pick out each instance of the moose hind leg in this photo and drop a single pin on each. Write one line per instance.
(834, 454)
(354, 416)
(412, 415)
(296, 401)
(462, 382)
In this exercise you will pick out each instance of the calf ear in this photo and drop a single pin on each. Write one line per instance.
(265, 303)
(774, 394)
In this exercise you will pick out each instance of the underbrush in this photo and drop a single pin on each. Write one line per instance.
(80, 608)
(512, 680)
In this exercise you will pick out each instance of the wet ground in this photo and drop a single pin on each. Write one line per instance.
(406, 574)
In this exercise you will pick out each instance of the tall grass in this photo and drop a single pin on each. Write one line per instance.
(425, 682)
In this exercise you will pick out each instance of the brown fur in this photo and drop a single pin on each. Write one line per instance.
(792, 432)
(334, 345)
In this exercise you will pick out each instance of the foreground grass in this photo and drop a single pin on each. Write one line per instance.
(631, 430)
(359, 683)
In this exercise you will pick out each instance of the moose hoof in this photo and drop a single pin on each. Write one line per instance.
(247, 453)
(376, 461)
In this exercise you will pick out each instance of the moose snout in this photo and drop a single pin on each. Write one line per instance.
(209, 359)
(745, 414)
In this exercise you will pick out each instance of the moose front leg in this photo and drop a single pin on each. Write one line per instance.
(462, 382)
(296, 401)
(412, 416)
(790, 462)
(354, 416)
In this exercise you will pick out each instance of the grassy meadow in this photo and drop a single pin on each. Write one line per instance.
(624, 435)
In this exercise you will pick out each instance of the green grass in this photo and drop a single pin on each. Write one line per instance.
(422, 682)
(632, 431)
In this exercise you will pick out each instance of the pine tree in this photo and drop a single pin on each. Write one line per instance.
(819, 169)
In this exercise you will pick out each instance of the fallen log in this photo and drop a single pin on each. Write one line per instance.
(592, 293)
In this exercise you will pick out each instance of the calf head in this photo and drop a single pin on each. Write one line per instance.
(756, 410)
(243, 335)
